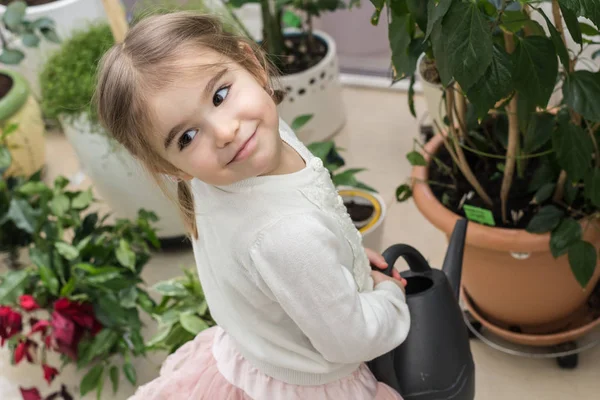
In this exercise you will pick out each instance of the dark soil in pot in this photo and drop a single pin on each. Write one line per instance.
(429, 71)
(297, 57)
(489, 172)
(29, 2)
(6, 83)
(359, 212)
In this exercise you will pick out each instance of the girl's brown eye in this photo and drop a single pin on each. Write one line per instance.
(186, 138)
(220, 96)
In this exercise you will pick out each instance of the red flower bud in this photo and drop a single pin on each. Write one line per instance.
(49, 373)
(11, 323)
(40, 326)
(30, 394)
(22, 351)
(28, 303)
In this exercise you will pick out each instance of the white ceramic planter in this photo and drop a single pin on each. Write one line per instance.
(433, 98)
(120, 180)
(317, 91)
(68, 15)
(372, 229)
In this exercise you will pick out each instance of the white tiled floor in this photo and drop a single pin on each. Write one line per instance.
(378, 134)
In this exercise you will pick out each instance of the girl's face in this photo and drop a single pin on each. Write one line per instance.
(221, 127)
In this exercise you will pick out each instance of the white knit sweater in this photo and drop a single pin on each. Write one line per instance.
(286, 276)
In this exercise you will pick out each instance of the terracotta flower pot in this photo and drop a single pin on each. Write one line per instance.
(510, 274)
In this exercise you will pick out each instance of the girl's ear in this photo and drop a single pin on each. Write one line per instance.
(246, 47)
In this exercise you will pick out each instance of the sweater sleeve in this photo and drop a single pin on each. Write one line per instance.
(298, 258)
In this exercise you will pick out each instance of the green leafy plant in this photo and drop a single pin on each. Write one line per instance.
(506, 149)
(181, 313)
(84, 283)
(16, 26)
(282, 14)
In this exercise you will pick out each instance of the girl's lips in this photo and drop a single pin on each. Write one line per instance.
(246, 150)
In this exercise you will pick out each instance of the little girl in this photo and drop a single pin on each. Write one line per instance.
(298, 308)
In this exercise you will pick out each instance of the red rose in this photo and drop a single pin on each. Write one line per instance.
(65, 335)
(22, 351)
(49, 373)
(28, 303)
(11, 323)
(80, 313)
(30, 394)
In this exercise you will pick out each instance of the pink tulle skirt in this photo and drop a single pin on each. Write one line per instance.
(200, 372)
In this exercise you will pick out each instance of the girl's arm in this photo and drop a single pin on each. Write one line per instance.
(298, 258)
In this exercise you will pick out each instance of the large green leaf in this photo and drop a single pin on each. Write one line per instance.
(59, 205)
(49, 278)
(14, 14)
(130, 373)
(32, 187)
(567, 233)
(494, 85)
(573, 149)
(592, 186)
(418, 10)
(21, 213)
(11, 56)
(82, 200)
(469, 43)
(125, 255)
(416, 159)
(545, 220)
(440, 53)
(114, 378)
(67, 251)
(539, 132)
(321, 149)
(580, 91)
(91, 380)
(535, 68)
(300, 121)
(572, 23)
(583, 260)
(544, 193)
(436, 10)
(12, 286)
(192, 323)
(559, 45)
(584, 8)
(400, 38)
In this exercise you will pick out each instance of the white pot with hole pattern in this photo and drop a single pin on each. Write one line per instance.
(316, 91)
(68, 15)
(120, 180)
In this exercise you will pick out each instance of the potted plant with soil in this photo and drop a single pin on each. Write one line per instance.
(79, 301)
(526, 174)
(68, 84)
(307, 61)
(364, 205)
(49, 20)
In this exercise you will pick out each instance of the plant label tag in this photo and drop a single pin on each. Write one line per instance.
(480, 215)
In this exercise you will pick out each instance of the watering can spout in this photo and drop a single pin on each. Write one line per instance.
(453, 261)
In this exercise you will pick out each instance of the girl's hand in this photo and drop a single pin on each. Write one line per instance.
(378, 261)
(378, 277)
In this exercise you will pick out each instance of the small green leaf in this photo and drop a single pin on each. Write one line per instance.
(584, 8)
(559, 45)
(469, 43)
(162, 334)
(11, 56)
(347, 178)
(101, 345)
(91, 379)
(12, 286)
(416, 159)
(49, 279)
(82, 200)
(572, 146)
(588, 29)
(32, 188)
(411, 96)
(441, 54)
(128, 297)
(321, 149)
(68, 288)
(567, 233)
(544, 193)
(571, 192)
(580, 91)
(59, 205)
(545, 220)
(572, 23)
(5, 159)
(145, 301)
(170, 288)
(66, 250)
(114, 378)
(399, 39)
(291, 19)
(50, 35)
(592, 186)
(14, 14)
(583, 260)
(60, 183)
(542, 175)
(30, 40)
(539, 132)
(300, 121)
(403, 193)
(130, 373)
(43, 22)
(192, 323)
(21, 213)
(125, 255)
(535, 68)
(435, 12)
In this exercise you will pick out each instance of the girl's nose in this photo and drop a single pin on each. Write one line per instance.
(225, 131)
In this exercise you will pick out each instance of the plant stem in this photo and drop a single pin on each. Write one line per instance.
(311, 38)
(513, 138)
(560, 187)
(559, 27)
(462, 160)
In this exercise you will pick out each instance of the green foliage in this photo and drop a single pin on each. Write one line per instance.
(68, 78)
(181, 313)
(489, 54)
(16, 26)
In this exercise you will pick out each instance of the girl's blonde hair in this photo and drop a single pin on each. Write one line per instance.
(150, 59)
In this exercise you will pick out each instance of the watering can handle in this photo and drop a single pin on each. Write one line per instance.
(413, 258)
